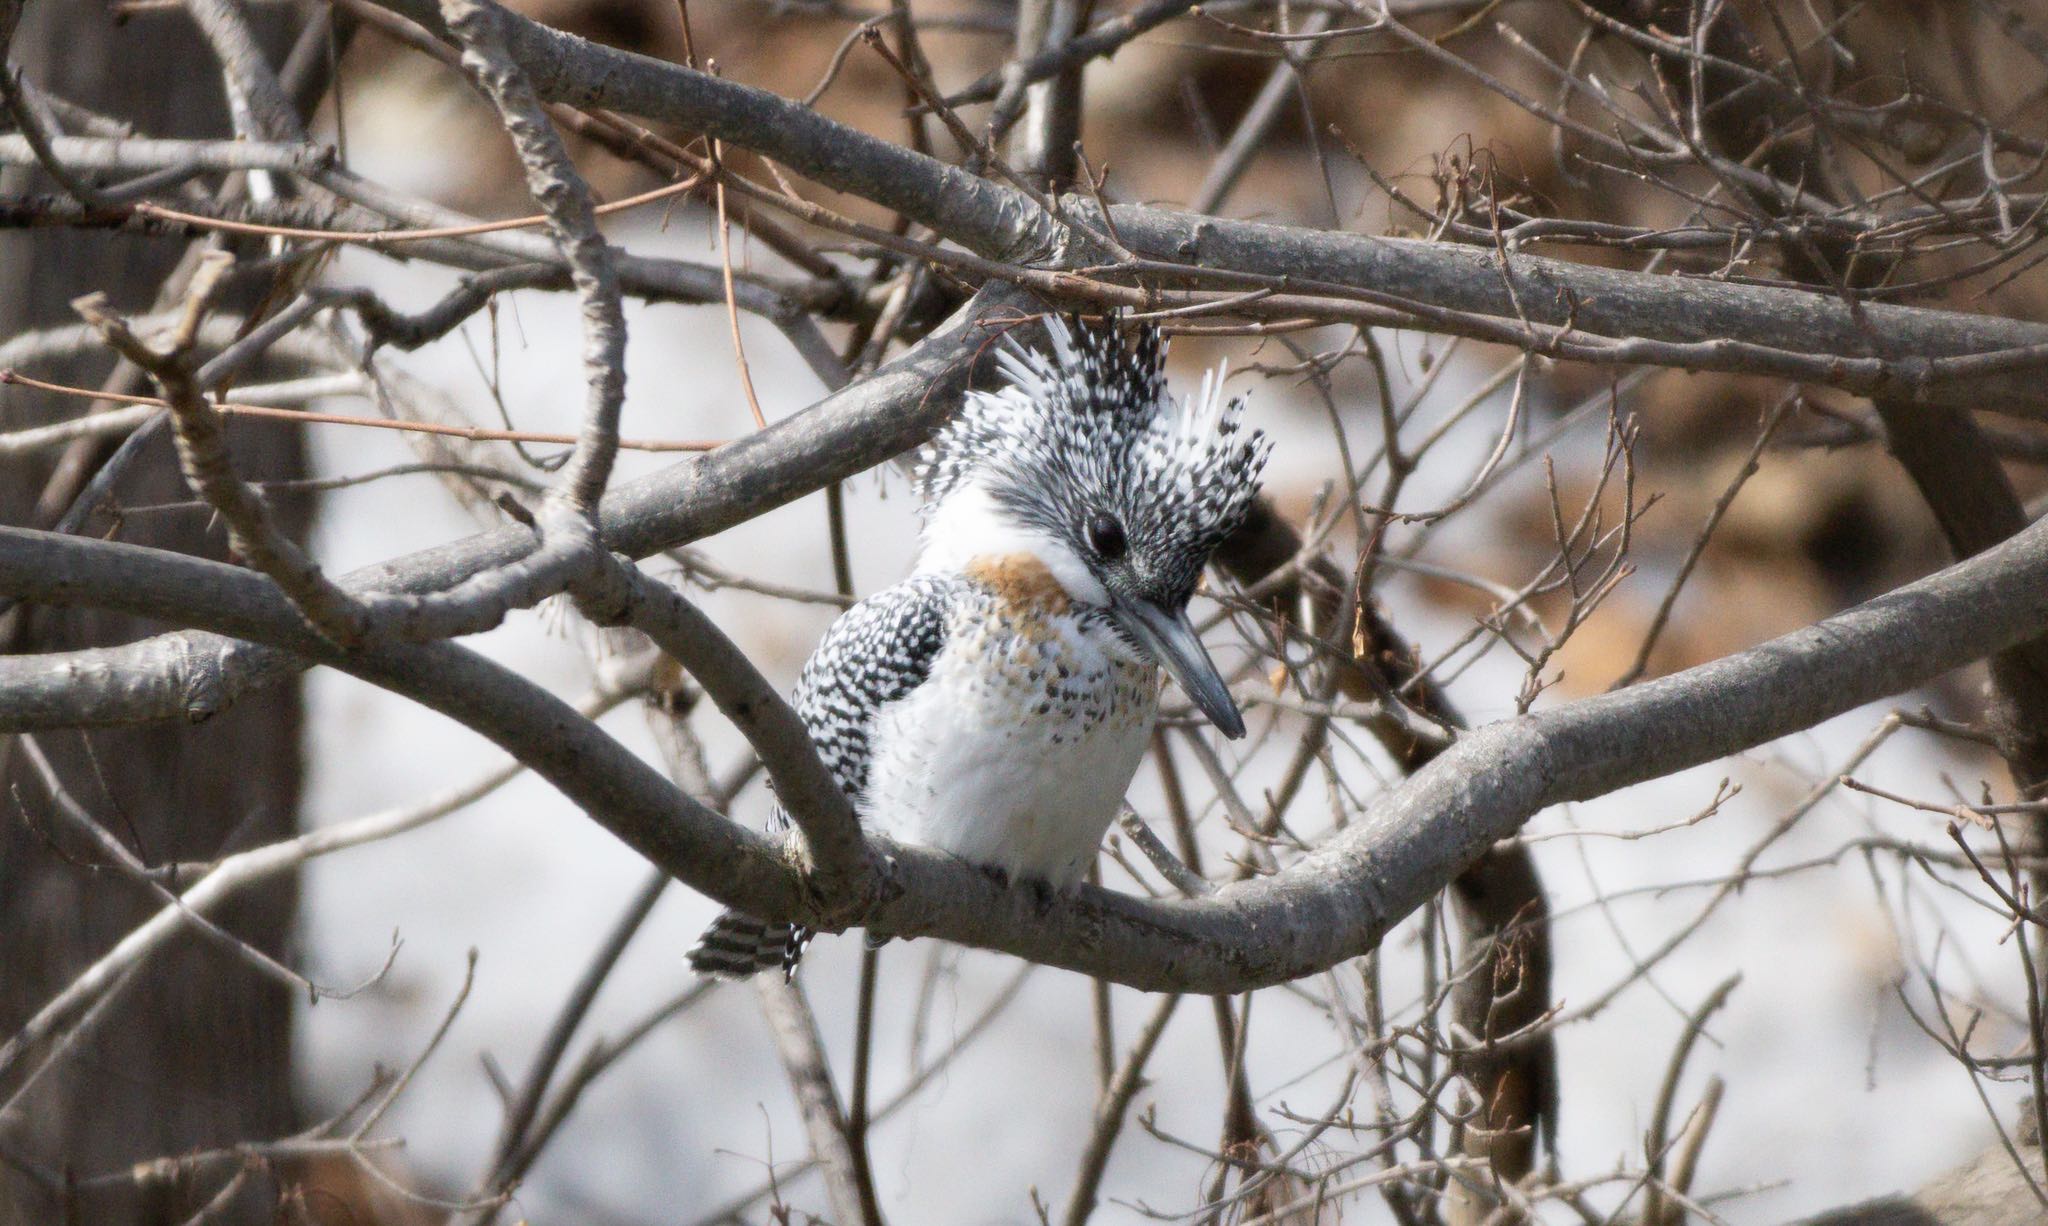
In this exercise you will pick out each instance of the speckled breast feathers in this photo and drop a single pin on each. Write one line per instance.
(996, 704)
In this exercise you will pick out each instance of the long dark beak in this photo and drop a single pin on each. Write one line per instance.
(1171, 641)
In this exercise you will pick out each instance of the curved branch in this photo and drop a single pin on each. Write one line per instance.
(1337, 903)
(831, 831)
(1550, 306)
(609, 781)
(193, 675)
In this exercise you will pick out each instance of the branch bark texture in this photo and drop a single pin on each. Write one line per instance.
(1335, 904)
(1549, 305)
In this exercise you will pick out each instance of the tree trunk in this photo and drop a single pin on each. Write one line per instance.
(194, 1051)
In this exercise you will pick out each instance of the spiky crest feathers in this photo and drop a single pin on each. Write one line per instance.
(1088, 425)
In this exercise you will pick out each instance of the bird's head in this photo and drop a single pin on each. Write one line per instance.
(1084, 462)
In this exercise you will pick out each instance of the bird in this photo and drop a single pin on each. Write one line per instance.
(995, 704)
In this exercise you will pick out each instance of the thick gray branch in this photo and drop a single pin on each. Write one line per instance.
(137, 154)
(865, 424)
(1644, 317)
(604, 777)
(1335, 904)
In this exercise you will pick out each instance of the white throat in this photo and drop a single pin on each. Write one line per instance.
(969, 524)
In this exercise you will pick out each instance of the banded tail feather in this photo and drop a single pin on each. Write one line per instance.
(737, 945)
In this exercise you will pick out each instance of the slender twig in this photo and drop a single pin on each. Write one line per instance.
(398, 1084)
(1110, 1110)
(519, 1117)
(118, 423)
(1101, 40)
(384, 238)
(565, 198)
(1750, 464)
(1249, 137)
(203, 454)
(154, 880)
(732, 310)
(1179, 875)
(927, 1072)
(1656, 1142)
(67, 1011)
(803, 1058)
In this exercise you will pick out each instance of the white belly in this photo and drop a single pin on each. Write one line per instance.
(1015, 753)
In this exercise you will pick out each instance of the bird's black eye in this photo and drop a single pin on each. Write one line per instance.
(1106, 537)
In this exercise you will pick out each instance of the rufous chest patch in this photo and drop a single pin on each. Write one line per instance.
(1021, 582)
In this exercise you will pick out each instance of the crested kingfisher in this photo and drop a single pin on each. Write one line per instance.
(996, 703)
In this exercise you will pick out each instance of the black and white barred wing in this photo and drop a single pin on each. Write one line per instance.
(876, 653)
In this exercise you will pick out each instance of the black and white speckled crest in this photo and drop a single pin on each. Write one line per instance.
(1089, 429)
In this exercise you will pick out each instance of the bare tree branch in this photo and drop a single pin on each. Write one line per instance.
(1547, 305)
(202, 450)
(1110, 1111)
(832, 835)
(1732, 187)
(565, 198)
(186, 675)
(1335, 904)
(803, 1057)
